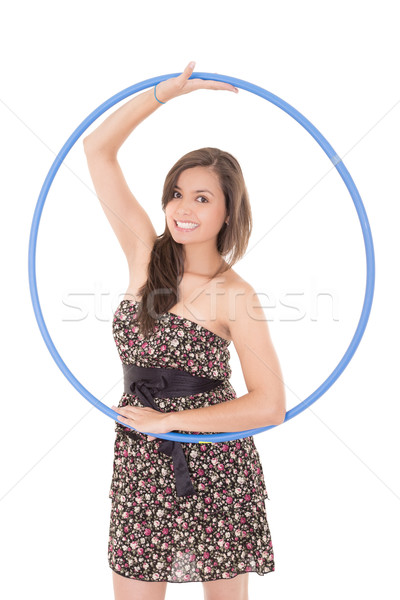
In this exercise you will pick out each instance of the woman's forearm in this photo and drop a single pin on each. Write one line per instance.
(250, 411)
(111, 134)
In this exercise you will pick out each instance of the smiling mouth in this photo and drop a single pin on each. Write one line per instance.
(188, 227)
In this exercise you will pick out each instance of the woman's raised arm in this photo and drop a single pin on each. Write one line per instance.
(128, 219)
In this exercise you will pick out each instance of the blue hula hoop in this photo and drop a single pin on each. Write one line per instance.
(343, 172)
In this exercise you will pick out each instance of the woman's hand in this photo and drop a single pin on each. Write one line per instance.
(177, 86)
(143, 419)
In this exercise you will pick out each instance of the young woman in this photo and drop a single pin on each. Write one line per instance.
(192, 511)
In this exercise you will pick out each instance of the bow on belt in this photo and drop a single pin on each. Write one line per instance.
(155, 382)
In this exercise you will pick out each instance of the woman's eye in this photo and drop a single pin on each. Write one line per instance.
(176, 192)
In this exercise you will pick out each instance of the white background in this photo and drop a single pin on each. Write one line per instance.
(332, 472)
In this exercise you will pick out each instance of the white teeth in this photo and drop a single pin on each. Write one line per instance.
(186, 225)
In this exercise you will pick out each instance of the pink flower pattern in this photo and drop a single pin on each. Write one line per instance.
(222, 530)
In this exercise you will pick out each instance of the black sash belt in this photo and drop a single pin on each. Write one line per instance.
(152, 382)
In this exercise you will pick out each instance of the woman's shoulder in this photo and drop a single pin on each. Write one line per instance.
(235, 282)
(236, 290)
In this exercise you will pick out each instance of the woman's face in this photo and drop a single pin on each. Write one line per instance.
(197, 199)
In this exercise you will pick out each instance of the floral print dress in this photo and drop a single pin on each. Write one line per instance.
(222, 530)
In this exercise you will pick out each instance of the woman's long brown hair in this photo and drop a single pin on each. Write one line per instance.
(165, 269)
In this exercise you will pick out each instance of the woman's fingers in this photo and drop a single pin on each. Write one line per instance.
(210, 84)
(188, 70)
(190, 85)
(205, 83)
(128, 412)
(182, 79)
(177, 86)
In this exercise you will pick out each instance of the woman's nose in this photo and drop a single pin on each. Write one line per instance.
(183, 209)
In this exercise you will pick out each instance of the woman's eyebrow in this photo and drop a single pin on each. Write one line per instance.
(197, 191)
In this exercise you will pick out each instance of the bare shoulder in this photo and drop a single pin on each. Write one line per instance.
(238, 297)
